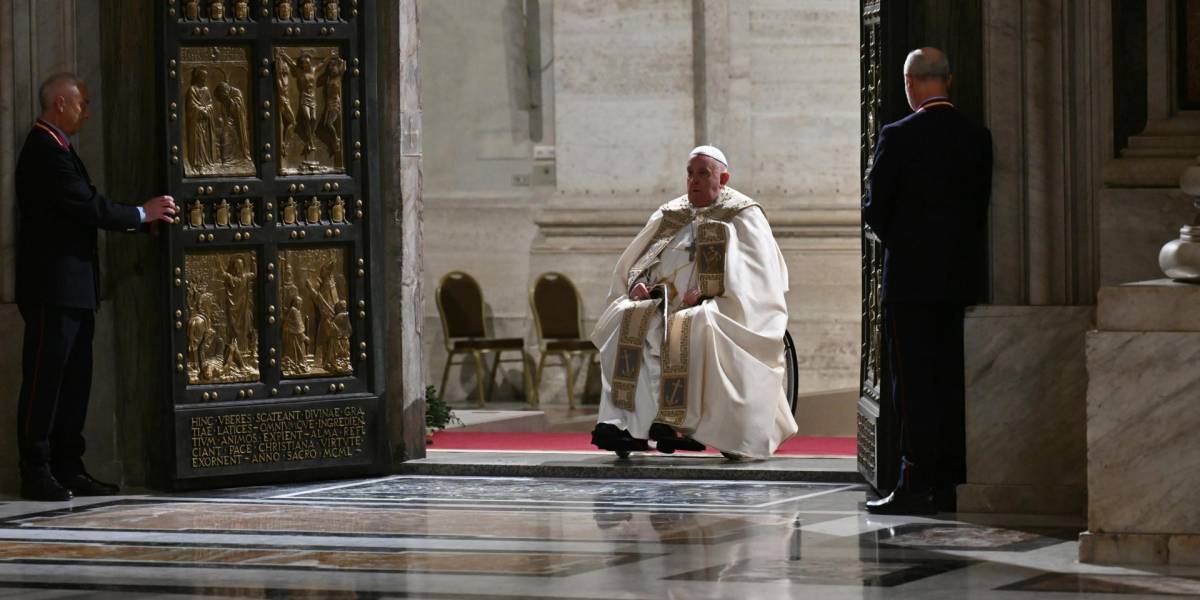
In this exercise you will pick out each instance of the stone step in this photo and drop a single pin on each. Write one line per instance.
(596, 465)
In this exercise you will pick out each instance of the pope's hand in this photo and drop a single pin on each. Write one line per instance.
(160, 208)
(692, 297)
(639, 292)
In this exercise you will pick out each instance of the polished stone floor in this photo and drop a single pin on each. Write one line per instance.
(439, 537)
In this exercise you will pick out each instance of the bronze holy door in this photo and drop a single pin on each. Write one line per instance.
(274, 288)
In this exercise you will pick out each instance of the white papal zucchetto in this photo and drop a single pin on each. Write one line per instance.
(712, 152)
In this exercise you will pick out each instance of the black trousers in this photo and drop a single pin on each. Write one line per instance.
(923, 344)
(56, 382)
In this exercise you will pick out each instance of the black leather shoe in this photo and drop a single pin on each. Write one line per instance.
(44, 488)
(667, 441)
(83, 484)
(607, 436)
(903, 502)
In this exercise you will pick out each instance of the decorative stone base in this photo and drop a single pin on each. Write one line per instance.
(1026, 383)
(1142, 448)
(1139, 548)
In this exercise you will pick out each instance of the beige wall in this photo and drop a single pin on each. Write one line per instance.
(626, 90)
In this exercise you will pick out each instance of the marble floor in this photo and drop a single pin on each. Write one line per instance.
(439, 537)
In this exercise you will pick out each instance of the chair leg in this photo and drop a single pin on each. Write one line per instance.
(537, 372)
(491, 394)
(570, 380)
(445, 377)
(479, 377)
(531, 391)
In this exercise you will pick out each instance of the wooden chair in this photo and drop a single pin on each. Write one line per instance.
(558, 315)
(460, 306)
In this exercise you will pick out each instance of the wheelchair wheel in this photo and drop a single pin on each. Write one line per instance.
(791, 374)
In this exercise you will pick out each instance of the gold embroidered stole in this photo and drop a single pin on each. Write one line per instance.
(711, 240)
(631, 339)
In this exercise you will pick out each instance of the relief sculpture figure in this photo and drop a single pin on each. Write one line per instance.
(305, 70)
(332, 10)
(246, 214)
(283, 10)
(200, 109)
(313, 214)
(335, 68)
(343, 330)
(326, 300)
(308, 10)
(223, 213)
(289, 211)
(200, 334)
(217, 132)
(216, 10)
(196, 214)
(234, 136)
(295, 342)
(191, 10)
(239, 306)
(241, 10)
(337, 211)
(283, 85)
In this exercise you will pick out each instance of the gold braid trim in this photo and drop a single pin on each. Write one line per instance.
(673, 395)
(635, 323)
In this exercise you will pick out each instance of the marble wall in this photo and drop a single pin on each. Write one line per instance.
(626, 89)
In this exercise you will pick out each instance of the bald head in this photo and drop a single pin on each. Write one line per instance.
(64, 100)
(926, 75)
(58, 84)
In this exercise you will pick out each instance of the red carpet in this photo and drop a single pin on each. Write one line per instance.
(582, 442)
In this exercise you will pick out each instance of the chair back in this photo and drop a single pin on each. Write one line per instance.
(555, 304)
(460, 304)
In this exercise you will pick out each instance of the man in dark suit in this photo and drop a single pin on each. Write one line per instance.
(927, 201)
(58, 291)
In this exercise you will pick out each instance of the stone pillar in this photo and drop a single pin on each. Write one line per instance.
(1142, 448)
(1048, 93)
(400, 188)
(1048, 67)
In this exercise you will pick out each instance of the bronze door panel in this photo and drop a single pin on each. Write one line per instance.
(269, 138)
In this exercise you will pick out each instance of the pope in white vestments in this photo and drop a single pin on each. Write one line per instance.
(691, 341)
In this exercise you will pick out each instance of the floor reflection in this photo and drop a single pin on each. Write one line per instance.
(498, 538)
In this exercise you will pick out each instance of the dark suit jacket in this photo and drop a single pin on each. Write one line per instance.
(59, 213)
(927, 201)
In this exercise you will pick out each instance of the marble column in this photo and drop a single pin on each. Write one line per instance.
(400, 187)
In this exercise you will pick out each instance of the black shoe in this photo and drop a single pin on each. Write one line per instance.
(607, 436)
(904, 502)
(83, 484)
(667, 441)
(44, 488)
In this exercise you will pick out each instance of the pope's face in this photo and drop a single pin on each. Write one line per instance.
(705, 178)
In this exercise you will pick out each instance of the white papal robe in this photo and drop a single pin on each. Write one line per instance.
(713, 371)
